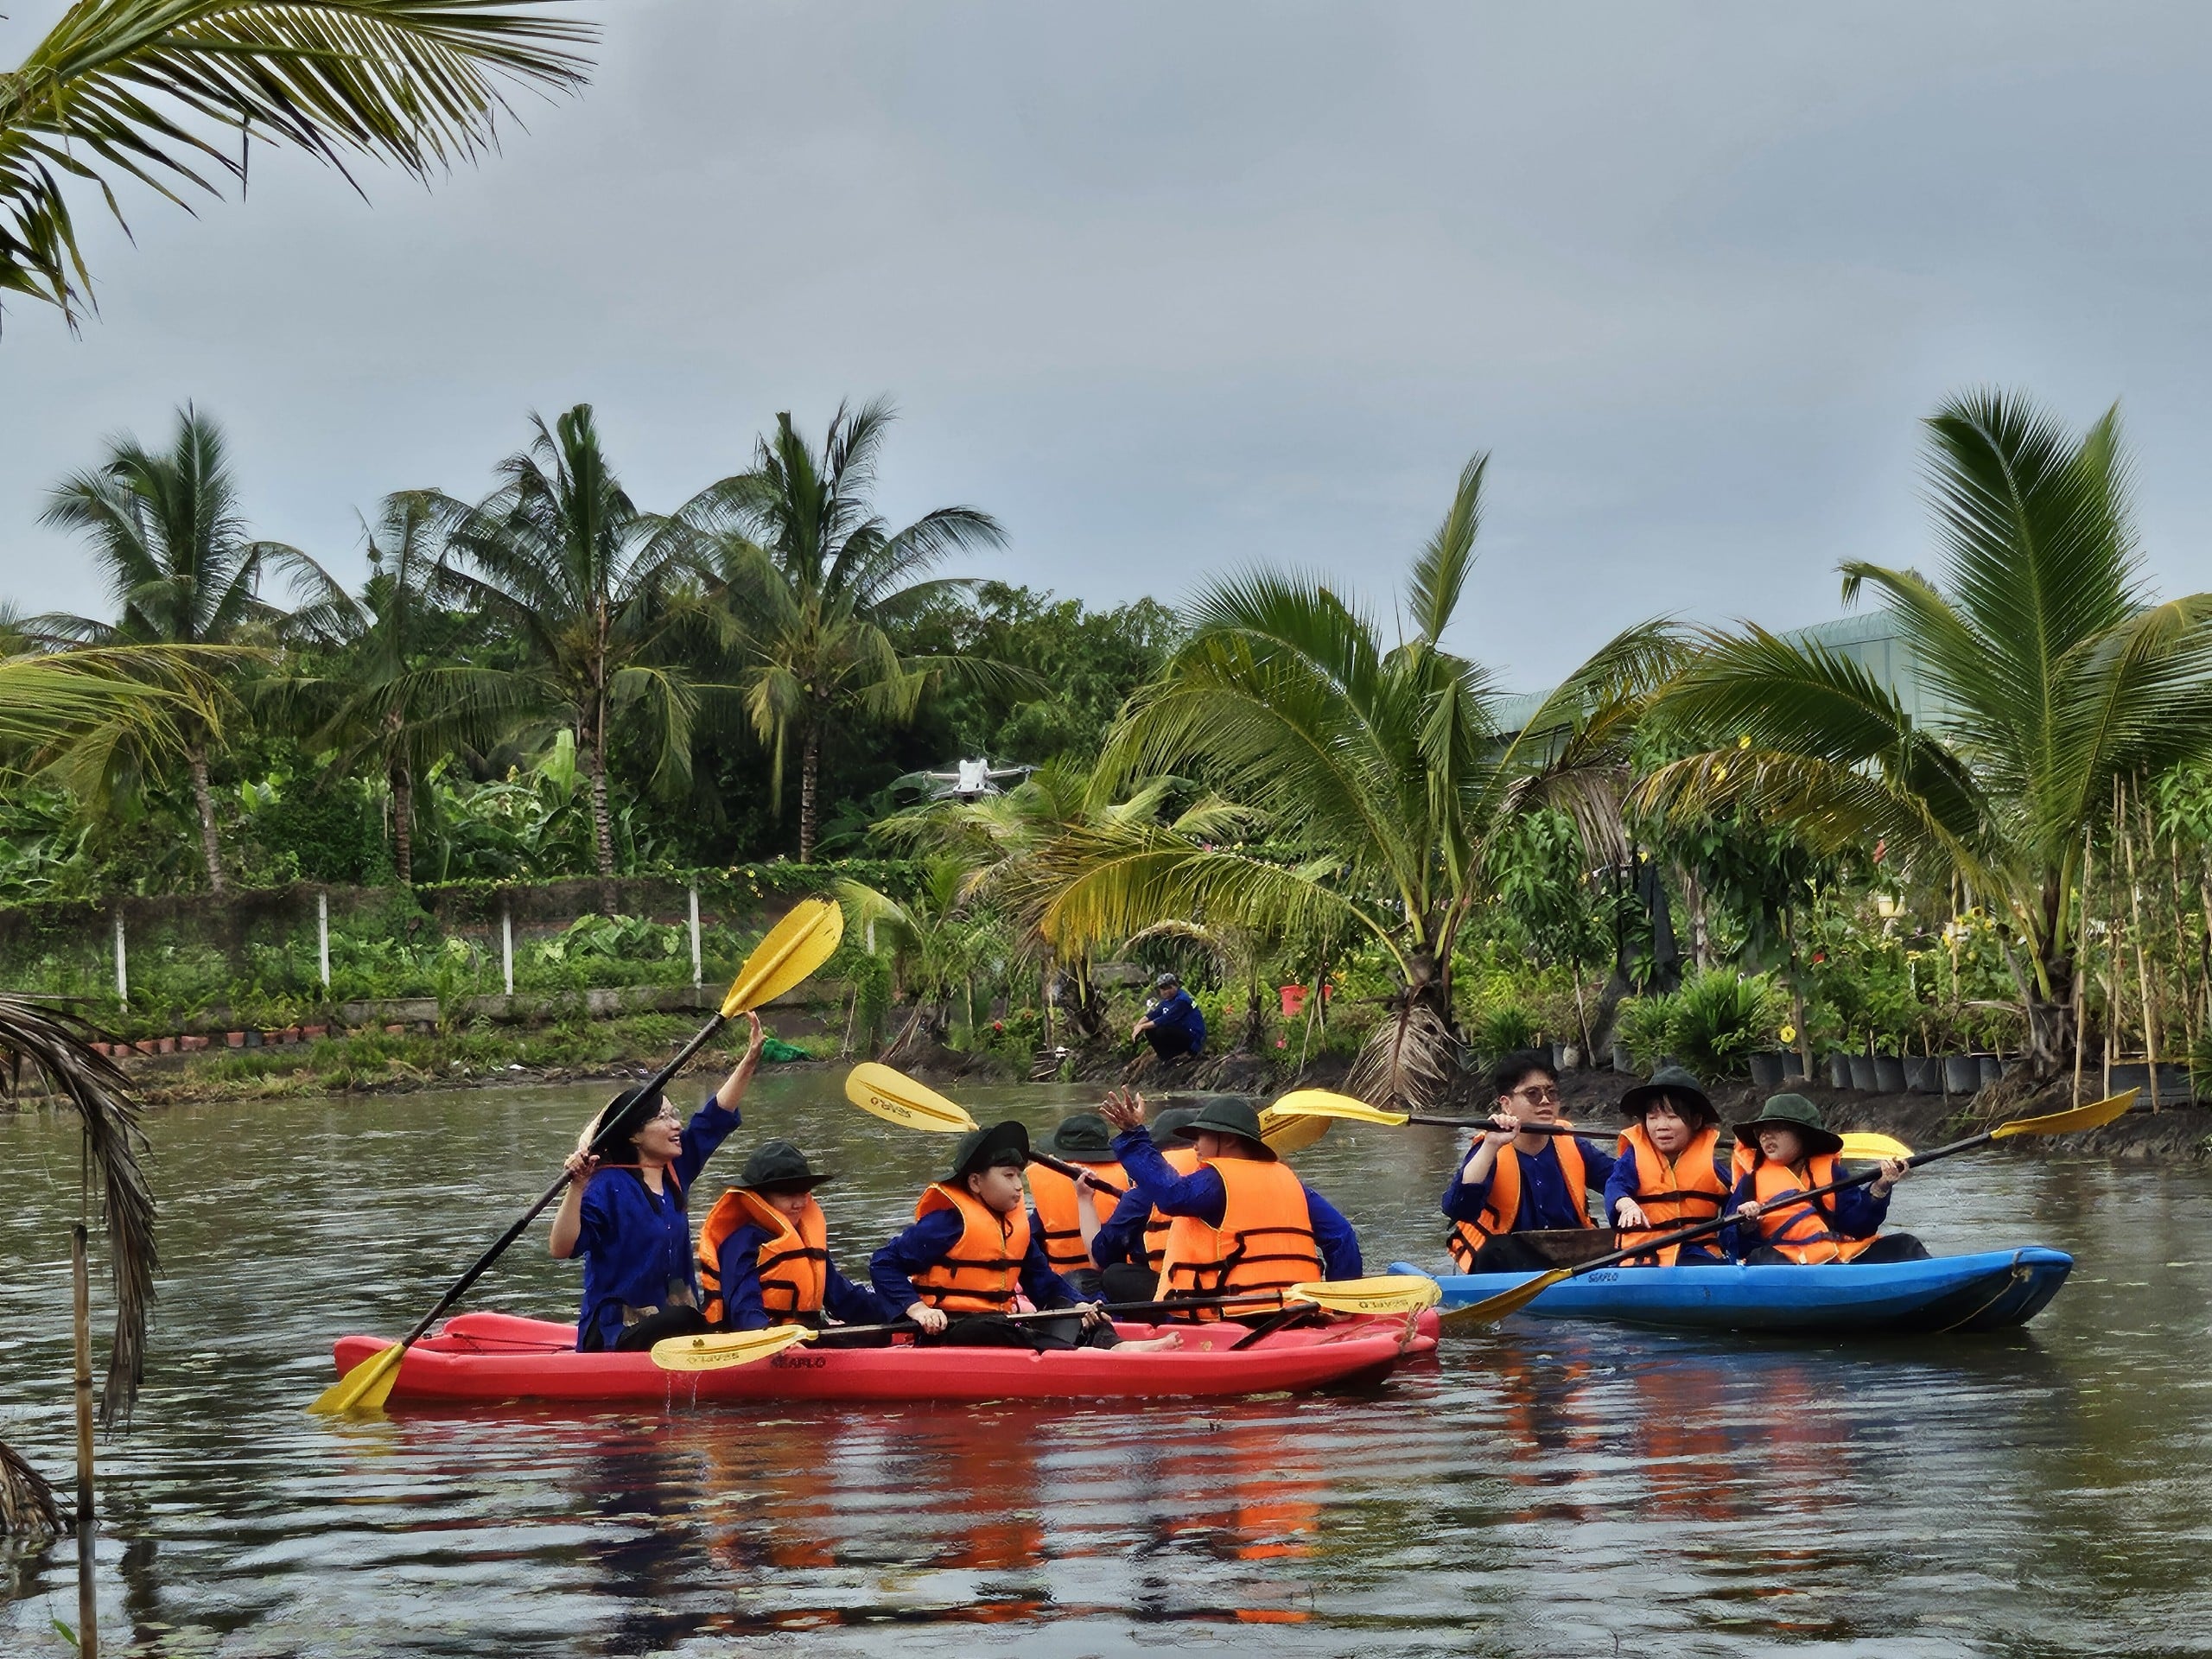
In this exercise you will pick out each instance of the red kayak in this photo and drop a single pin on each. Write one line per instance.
(490, 1358)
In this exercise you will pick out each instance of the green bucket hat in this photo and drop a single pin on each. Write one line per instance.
(1226, 1115)
(1792, 1112)
(1004, 1143)
(1083, 1138)
(1168, 1126)
(779, 1166)
(1677, 1082)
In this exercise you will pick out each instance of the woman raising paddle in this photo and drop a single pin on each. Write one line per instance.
(624, 1211)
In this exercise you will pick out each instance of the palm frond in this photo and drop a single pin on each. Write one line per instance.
(1440, 573)
(144, 89)
(57, 1045)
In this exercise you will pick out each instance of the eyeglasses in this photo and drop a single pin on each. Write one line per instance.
(1540, 1096)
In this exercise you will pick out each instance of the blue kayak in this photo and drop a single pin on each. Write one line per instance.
(1989, 1291)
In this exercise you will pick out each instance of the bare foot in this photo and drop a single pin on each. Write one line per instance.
(1151, 1345)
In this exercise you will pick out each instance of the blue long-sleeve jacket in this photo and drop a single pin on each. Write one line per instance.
(1201, 1193)
(744, 1310)
(1177, 1027)
(1855, 1213)
(1120, 1237)
(634, 1245)
(1545, 1201)
(891, 1270)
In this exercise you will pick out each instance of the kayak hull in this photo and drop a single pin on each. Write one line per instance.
(496, 1359)
(1992, 1291)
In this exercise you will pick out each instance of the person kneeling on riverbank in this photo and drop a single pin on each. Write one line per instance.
(1669, 1174)
(624, 1211)
(1242, 1221)
(1795, 1152)
(957, 1270)
(764, 1256)
(1515, 1181)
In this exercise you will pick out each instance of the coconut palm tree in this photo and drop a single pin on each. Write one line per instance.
(394, 696)
(166, 531)
(2053, 669)
(155, 90)
(814, 582)
(584, 581)
(1378, 770)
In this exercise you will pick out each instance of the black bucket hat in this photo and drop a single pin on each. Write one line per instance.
(1083, 1138)
(980, 1149)
(779, 1167)
(1226, 1115)
(1792, 1112)
(1168, 1125)
(1677, 1082)
(624, 1116)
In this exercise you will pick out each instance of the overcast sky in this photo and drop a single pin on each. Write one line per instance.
(1173, 287)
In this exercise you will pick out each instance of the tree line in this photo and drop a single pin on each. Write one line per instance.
(1267, 785)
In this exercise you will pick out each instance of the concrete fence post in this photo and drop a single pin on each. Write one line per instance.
(698, 976)
(322, 939)
(122, 970)
(508, 944)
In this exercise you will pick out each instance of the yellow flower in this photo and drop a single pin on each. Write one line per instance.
(1789, 1034)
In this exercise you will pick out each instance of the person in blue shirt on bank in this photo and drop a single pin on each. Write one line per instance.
(624, 1211)
(1241, 1220)
(1513, 1181)
(1172, 1024)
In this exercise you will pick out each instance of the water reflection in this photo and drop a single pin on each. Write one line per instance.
(1546, 1491)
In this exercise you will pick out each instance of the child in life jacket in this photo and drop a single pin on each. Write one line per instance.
(764, 1254)
(1516, 1181)
(1669, 1172)
(1795, 1152)
(1067, 1214)
(1131, 1245)
(971, 1253)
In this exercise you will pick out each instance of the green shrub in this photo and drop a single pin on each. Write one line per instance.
(1644, 1026)
(1500, 1029)
(1718, 1019)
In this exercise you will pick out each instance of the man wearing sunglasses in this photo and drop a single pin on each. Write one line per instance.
(1519, 1179)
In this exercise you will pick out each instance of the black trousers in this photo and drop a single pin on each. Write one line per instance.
(1127, 1282)
(661, 1325)
(1890, 1247)
(1038, 1336)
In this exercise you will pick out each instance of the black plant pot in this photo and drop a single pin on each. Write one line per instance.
(1889, 1074)
(1793, 1066)
(1993, 1069)
(1962, 1074)
(1839, 1071)
(1862, 1073)
(1923, 1075)
(1766, 1070)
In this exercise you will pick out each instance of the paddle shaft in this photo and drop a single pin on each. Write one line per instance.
(483, 1263)
(1075, 1173)
(1865, 1177)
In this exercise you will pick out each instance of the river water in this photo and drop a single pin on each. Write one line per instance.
(1542, 1490)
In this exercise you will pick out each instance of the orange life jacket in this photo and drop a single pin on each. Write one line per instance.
(1804, 1232)
(982, 1272)
(1673, 1192)
(1265, 1241)
(793, 1265)
(1503, 1204)
(1062, 1222)
(1182, 1161)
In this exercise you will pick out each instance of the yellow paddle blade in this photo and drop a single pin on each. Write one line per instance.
(713, 1353)
(1398, 1293)
(366, 1387)
(1868, 1146)
(1491, 1309)
(897, 1098)
(1286, 1134)
(1327, 1102)
(795, 947)
(2094, 1116)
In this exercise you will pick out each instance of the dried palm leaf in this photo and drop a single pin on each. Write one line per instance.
(58, 1046)
(29, 1508)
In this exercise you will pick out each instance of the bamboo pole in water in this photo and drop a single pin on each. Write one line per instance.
(88, 1641)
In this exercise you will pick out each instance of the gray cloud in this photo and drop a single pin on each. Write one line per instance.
(1171, 288)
